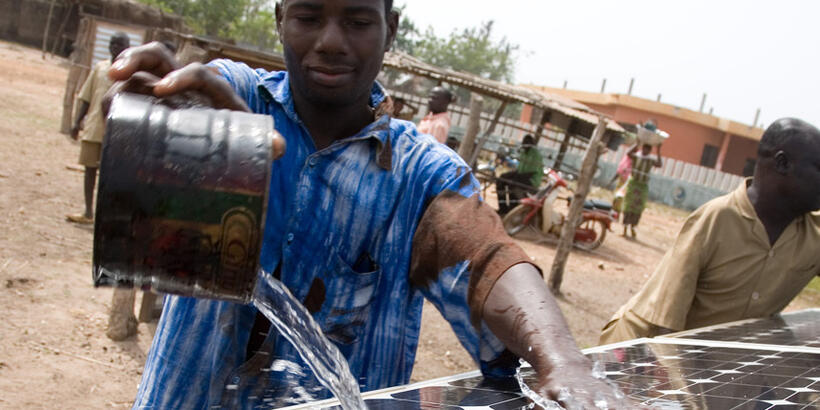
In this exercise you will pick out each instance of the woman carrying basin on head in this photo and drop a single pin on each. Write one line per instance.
(637, 188)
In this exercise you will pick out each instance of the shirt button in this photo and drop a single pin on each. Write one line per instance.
(755, 295)
(771, 253)
(312, 161)
(290, 237)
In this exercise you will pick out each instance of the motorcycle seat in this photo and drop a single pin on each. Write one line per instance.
(597, 204)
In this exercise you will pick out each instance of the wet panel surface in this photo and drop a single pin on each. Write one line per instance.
(792, 329)
(671, 373)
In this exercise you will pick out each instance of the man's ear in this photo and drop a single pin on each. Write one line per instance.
(782, 162)
(392, 28)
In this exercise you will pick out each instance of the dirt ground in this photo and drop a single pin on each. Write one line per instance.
(53, 348)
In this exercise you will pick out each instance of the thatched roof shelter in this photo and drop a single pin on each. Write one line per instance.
(499, 90)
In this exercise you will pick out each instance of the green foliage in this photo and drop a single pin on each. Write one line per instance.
(251, 22)
(472, 50)
(407, 35)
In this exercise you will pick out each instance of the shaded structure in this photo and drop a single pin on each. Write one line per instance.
(696, 137)
(53, 25)
(574, 120)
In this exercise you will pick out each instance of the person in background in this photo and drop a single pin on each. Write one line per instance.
(89, 125)
(453, 143)
(743, 255)
(437, 120)
(403, 110)
(399, 216)
(621, 176)
(512, 186)
(637, 187)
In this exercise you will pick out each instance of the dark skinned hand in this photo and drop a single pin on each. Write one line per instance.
(75, 132)
(152, 70)
(574, 387)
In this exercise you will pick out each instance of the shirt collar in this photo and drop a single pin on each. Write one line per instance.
(742, 201)
(275, 86)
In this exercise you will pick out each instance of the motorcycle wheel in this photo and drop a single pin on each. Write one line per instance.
(514, 220)
(600, 233)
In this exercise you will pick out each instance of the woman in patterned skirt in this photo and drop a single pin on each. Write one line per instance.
(637, 188)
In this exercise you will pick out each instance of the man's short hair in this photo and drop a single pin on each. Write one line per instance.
(446, 91)
(782, 133)
(529, 139)
(388, 6)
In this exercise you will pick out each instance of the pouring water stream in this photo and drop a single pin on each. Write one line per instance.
(293, 322)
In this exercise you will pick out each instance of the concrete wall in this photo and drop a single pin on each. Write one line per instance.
(687, 138)
(669, 191)
(740, 149)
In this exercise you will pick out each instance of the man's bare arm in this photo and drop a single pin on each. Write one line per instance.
(522, 313)
(81, 113)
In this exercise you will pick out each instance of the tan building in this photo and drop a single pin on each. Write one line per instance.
(695, 137)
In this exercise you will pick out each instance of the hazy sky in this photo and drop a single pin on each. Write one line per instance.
(744, 54)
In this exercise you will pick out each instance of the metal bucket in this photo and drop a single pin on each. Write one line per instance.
(182, 198)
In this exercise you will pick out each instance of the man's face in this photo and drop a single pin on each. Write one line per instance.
(334, 48)
(805, 177)
(117, 45)
(439, 100)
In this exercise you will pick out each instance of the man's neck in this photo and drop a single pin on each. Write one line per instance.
(774, 214)
(331, 123)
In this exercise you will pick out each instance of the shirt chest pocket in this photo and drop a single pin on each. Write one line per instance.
(348, 299)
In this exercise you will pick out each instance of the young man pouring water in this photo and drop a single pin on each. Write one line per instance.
(366, 217)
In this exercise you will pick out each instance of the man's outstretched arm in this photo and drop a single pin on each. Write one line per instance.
(507, 295)
(522, 313)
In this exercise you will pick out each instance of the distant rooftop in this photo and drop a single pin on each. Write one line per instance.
(605, 99)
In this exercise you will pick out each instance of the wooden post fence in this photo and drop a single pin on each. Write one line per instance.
(473, 127)
(580, 195)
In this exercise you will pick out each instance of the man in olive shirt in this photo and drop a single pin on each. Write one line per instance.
(530, 172)
(743, 255)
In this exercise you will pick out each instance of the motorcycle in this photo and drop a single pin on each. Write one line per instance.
(536, 213)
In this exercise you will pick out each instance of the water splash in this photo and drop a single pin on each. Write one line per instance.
(293, 322)
(599, 370)
(565, 395)
(536, 398)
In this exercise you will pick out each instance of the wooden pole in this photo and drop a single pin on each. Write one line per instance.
(61, 30)
(473, 127)
(580, 195)
(487, 133)
(562, 150)
(48, 27)
(545, 115)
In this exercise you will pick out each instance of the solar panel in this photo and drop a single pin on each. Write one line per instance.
(792, 329)
(683, 372)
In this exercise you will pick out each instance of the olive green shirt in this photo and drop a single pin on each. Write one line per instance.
(531, 161)
(722, 267)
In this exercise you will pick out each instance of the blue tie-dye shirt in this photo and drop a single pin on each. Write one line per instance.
(345, 215)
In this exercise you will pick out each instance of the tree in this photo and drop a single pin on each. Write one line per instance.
(407, 35)
(251, 22)
(471, 50)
